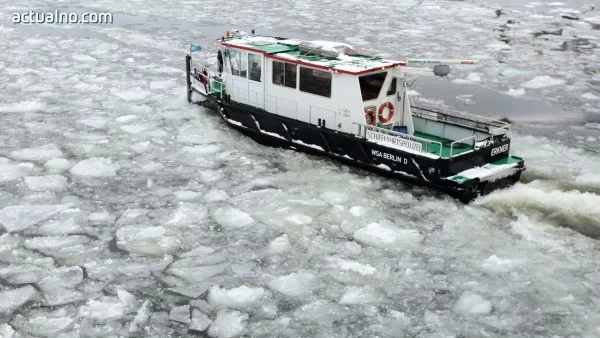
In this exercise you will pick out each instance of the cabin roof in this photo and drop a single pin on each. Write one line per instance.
(288, 50)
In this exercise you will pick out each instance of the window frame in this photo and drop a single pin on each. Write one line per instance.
(284, 70)
(313, 71)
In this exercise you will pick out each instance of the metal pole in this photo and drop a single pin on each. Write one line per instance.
(188, 65)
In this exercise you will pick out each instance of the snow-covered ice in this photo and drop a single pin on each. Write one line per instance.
(228, 324)
(12, 299)
(239, 298)
(95, 167)
(295, 284)
(230, 217)
(388, 236)
(19, 217)
(43, 183)
(472, 304)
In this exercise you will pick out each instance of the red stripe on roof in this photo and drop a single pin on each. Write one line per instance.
(305, 63)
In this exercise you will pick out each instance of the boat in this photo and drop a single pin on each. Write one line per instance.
(329, 98)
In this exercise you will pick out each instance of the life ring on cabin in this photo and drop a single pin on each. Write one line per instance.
(390, 114)
(370, 116)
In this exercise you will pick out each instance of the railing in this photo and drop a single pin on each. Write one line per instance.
(362, 132)
(480, 123)
(474, 137)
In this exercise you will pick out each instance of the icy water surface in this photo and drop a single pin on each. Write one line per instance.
(126, 211)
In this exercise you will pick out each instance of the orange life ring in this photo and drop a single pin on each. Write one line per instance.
(389, 116)
(370, 115)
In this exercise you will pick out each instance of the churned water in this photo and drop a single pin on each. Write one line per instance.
(126, 211)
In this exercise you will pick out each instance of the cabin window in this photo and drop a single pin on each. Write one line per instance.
(284, 74)
(392, 89)
(255, 66)
(315, 81)
(370, 85)
(239, 63)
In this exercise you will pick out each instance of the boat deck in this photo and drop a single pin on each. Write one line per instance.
(434, 148)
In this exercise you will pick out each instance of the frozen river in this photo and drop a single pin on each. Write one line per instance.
(126, 211)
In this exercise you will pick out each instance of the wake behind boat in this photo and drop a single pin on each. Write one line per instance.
(332, 99)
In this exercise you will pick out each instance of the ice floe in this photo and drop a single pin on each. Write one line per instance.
(295, 284)
(216, 195)
(12, 299)
(361, 295)
(240, 298)
(279, 245)
(180, 314)
(141, 318)
(38, 154)
(57, 164)
(147, 240)
(19, 217)
(95, 167)
(44, 326)
(388, 236)
(543, 81)
(46, 183)
(228, 324)
(200, 321)
(22, 274)
(23, 107)
(472, 304)
(230, 217)
(188, 213)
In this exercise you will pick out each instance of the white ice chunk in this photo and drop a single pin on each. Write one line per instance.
(95, 167)
(57, 164)
(46, 183)
(38, 154)
(6, 331)
(84, 58)
(590, 96)
(543, 82)
(186, 195)
(96, 122)
(106, 308)
(321, 312)
(348, 271)
(279, 245)
(203, 149)
(103, 217)
(126, 118)
(239, 298)
(23, 107)
(59, 227)
(62, 277)
(358, 211)
(199, 251)
(471, 303)
(361, 295)
(22, 274)
(216, 195)
(388, 236)
(134, 128)
(42, 326)
(19, 217)
(515, 92)
(12, 299)
(180, 314)
(228, 324)
(200, 321)
(230, 217)
(188, 213)
(194, 274)
(299, 219)
(146, 240)
(497, 264)
(10, 170)
(295, 284)
(141, 318)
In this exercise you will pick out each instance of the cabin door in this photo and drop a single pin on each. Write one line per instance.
(246, 85)
(256, 86)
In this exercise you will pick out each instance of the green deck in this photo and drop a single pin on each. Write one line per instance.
(434, 148)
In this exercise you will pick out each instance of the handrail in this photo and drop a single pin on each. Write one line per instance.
(362, 133)
(474, 137)
(487, 124)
